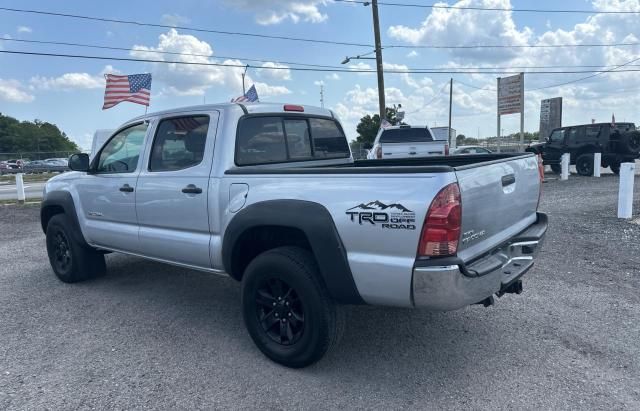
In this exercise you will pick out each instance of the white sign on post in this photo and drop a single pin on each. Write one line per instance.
(510, 96)
(510, 101)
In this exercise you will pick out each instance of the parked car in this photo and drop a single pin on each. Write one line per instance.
(45, 166)
(407, 142)
(618, 143)
(280, 206)
(4, 167)
(471, 150)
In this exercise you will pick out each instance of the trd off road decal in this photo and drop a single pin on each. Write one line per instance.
(393, 216)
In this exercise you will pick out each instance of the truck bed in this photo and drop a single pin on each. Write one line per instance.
(435, 164)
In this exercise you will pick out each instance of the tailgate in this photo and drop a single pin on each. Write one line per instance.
(412, 149)
(499, 199)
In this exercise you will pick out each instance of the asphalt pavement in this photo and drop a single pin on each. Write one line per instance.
(148, 335)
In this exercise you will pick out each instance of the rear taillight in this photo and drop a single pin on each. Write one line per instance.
(379, 152)
(441, 229)
(541, 173)
(446, 149)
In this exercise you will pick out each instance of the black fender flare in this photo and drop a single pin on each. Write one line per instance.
(61, 200)
(315, 221)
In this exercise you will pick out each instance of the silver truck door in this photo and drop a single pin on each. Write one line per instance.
(107, 194)
(172, 192)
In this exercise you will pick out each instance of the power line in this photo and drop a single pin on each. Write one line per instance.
(486, 70)
(102, 47)
(511, 46)
(613, 70)
(476, 8)
(166, 26)
(310, 69)
(308, 40)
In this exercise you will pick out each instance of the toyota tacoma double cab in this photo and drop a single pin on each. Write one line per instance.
(270, 196)
(618, 143)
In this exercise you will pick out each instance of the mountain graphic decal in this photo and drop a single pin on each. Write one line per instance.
(378, 205)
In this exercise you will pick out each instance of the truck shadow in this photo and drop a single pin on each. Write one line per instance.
(380, 342)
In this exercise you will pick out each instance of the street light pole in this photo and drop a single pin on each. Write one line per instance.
(376, 33)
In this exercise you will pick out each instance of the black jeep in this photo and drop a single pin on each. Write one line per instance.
(618, 143)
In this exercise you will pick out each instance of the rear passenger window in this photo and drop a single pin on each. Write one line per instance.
(328, 139)
(179, 143)
(272, 139)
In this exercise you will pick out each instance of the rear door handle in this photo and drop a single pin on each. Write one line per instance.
(126, 188)
(508, 180)
(192, 189)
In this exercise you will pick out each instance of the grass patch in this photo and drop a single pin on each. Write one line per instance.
(28, 178)
(27, 203)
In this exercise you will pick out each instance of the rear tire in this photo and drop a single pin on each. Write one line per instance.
(71, 260)
(287, 309)
(584, 165)
(556, 168)
(630, 142)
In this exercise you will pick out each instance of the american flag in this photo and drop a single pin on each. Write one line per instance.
(384, 124)
(250, 96)
(135, 88)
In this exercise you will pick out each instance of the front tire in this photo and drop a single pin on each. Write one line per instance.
(287, 309)
(71, 260)
(584, 165)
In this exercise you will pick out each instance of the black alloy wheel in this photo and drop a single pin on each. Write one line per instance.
(280, 311)
(62, 252)
(584, 165)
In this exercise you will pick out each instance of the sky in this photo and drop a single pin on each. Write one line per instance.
(69, 92)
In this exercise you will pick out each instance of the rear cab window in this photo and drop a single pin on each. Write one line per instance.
(280, 139)
(406, 135)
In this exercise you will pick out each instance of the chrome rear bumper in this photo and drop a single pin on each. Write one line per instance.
(448, 284)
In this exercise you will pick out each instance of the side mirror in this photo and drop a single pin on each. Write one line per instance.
(547, 139)
(79, 162)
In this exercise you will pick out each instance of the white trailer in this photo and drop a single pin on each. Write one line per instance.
(440, 133)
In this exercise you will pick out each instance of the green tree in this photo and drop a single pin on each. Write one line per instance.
(460, 139)
(369, 125)
(27, 136)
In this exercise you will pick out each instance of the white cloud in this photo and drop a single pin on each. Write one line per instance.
(332, 76)
(265, 90)
(275, 71)
(412, 54)
(72, 81)
(24, 29)
(13, 91)
(318, 83)
(174, 20)
(277, 11)
(195, 80)
(467, 27)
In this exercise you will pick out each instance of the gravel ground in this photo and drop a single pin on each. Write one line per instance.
(153, 336)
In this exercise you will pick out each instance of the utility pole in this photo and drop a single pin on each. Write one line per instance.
(376, 33)
(451, 144)
(322, 95)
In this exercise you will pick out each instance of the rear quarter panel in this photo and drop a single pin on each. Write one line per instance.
(381, 258)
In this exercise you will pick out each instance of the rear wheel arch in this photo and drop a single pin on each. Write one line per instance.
(270, 224)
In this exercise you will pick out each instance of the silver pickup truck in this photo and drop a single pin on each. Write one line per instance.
(269, 195)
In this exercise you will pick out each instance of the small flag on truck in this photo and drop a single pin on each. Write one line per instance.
(249, 97)
(135, 88)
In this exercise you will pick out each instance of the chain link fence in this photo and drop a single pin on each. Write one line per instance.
(39, 155)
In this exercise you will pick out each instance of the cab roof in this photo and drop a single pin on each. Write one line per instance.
(250, 108)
